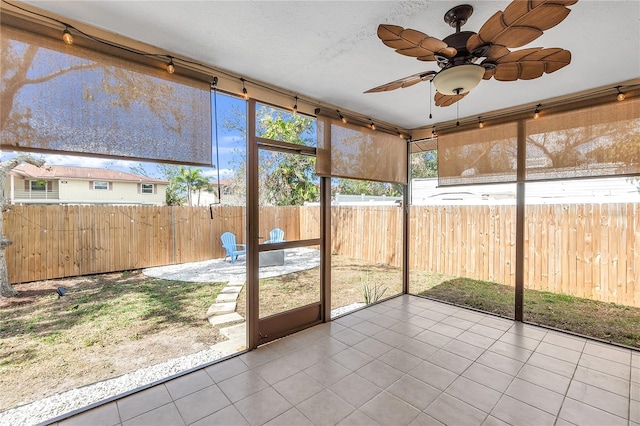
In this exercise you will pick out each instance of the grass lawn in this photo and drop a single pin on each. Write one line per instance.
(106, 325)
(605, 321)
(348, 276)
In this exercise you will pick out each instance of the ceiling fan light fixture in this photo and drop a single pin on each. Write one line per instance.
(458, 79)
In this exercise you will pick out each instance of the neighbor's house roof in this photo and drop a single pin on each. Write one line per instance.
(81, 173)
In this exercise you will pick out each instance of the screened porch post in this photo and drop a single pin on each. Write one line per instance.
(325, 247)
(520, 218)
(252, 230)
(405, 226)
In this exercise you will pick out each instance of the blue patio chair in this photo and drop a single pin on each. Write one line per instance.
(233, 249)
(275, 236)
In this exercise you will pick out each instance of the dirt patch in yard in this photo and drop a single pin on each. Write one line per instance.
(348, 276)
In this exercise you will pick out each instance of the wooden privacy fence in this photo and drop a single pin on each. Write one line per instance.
(56, 241)
(586, 250)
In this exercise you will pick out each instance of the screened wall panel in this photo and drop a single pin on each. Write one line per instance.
(355, 152)
(485, 155)
(60, 98)
(597, 141)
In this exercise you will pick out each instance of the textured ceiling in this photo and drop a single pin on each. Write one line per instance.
(329, 51)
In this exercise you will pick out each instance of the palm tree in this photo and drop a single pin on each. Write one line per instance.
(193, 181)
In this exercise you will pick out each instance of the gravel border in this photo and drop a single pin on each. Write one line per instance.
(56, 405)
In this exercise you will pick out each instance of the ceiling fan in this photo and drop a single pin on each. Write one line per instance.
(457, 54)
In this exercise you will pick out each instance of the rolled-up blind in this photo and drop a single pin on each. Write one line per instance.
(485, 155)
(598, 141)
(71, 99)
(355, 152)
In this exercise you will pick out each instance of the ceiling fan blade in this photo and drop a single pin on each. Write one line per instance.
(404, 82)
(414, 43)
(521, 22)
(528, 64)
(447, 100)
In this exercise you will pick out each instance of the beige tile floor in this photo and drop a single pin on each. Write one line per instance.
(406, 361)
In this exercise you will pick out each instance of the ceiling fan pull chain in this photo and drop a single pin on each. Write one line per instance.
(430, 97)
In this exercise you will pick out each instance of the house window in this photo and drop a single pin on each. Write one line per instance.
(100, 185)
(38, 185)
(146, 188)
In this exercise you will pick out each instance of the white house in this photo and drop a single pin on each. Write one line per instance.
(425, 191)
(28, 184)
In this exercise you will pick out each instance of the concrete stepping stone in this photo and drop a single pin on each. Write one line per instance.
(235, 331)
(216, 320)
(231, 346)
(221, 308)
(227, 297)
(232, 289)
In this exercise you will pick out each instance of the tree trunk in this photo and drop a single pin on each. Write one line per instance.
(5, 167)
(5, 288)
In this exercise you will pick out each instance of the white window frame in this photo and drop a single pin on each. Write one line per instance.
(98, 185)
(147, 188)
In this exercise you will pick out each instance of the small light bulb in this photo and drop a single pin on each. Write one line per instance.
(67, 37)
(536, 115)
(245, 93)
(621, 97)
(170, 68)
(480, 123)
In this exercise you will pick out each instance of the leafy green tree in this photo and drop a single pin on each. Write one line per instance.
(424, 164)
(284, 179)
(289, 179)
(358, 187)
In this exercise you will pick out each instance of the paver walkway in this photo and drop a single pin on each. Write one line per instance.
(223, 311)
